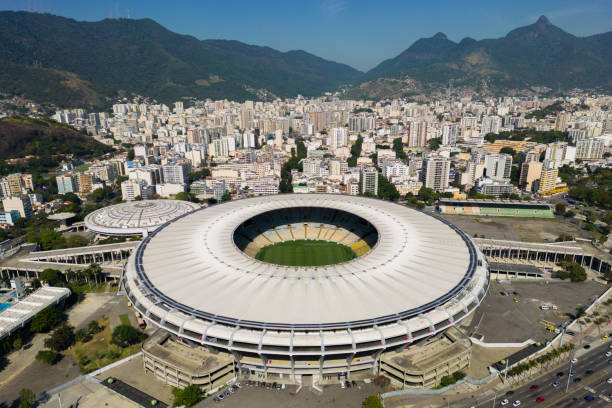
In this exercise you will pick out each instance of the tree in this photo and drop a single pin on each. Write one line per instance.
(398, 148)
(183, 196)
(577, 273)
(373, 401)
(580, 311)
(563, 237)
(125, 335)
(426, 194)
(226, 197)
(75, 241)
(560, 208)
(459, 375)
(27, 398)
(45, 320)
(188, 396)
(47, 356)
(61, 338)
(131, 155)
(93, 327)
(94, 271)
(102, 194)
(51, 276)
(447, 380)
(49, 239)
(434, 143)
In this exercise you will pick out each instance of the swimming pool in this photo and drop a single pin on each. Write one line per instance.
(4, 306)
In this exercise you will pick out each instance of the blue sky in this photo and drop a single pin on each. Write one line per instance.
(356, 32)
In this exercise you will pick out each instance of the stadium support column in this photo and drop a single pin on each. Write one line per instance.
(291, 357)
(349, 359)
(376, 367)
(261, 356)
(322, 358)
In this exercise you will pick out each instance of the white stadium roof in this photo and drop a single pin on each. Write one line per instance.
(137, 217)
(420, 265)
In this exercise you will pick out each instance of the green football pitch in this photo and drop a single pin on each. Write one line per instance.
(305, 253)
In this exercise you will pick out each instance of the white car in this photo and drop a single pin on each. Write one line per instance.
(574, 360)
(609, 380)
(342, 384)
(609, 353)
(516, 403)
(504, 402)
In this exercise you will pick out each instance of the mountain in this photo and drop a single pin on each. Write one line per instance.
(20, 137)
(539, 54)
(72, 63)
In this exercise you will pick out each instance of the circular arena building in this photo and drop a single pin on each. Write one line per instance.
(410, 275)
(136, 217)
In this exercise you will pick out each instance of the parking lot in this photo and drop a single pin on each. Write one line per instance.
(518, 229)
(332, 396)
(500, 319)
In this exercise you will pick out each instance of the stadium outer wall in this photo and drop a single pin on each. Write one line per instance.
(294, 352)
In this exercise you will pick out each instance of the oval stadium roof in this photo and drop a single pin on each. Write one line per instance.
(420, 263)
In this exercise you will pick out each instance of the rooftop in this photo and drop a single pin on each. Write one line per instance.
(419, 263)
(137, 217)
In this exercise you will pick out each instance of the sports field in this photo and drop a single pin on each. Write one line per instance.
(305, 253)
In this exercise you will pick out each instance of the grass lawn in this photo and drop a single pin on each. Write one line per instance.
(305, 253)
(125, 319)
(98, 352)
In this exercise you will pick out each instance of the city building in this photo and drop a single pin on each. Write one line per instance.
(498, 166)
(435, 173)
(591, 148)
(530, 172)
(369, 181)
(65, 184)
(548, 179)
(19, 203)
(492, 187)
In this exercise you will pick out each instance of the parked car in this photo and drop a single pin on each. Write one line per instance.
(540, 399)
(516, 403)
(534, 387)
(504, 402)
(589, 398)
(555, 384)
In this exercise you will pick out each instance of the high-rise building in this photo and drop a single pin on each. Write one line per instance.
(592, 148)
(498, 166)
(369, 181)
(435, 173)
(338, 138)
(20, 203)
(490, 124)
(177, 173)
(548, 179)
(561, 123)
(15, 183)
(530, 172)
(84, 182)
(132, 189)
(65, 184)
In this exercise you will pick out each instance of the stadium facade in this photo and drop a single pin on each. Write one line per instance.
(196, 277)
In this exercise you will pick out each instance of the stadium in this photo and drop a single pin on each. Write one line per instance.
(408, 275)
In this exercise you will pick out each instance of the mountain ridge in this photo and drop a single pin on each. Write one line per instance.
(540, 54)
(141, 56)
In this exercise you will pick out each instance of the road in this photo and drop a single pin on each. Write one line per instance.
(589, 384)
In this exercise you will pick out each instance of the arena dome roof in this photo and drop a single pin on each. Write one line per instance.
(421, 265)
(137, 217)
